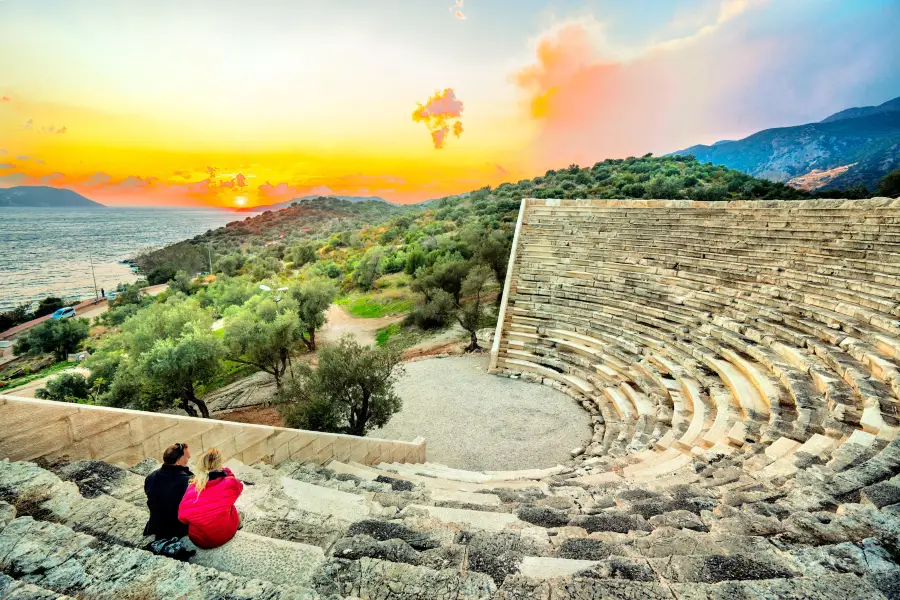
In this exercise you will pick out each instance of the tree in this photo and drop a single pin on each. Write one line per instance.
(174, 368)
(369, 268)
(494, 252)
(68, 387)
(447, 275)
(889, 185)
(159, 358)
(260, 334)
(470, 313)
(182, 283)
(48, 306)
(414, 260)
(58, 336)
(313, 299)
(351, 391)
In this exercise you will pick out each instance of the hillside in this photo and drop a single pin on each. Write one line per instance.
(287, 204)
(856, 146)
(864, 111)
(339, 231)
(39, 196)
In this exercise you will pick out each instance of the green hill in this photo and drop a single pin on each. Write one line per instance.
(337, 232)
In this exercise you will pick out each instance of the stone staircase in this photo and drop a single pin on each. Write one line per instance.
(740, 364)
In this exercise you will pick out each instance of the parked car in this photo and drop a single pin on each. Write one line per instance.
(63, 313)
(111, 296)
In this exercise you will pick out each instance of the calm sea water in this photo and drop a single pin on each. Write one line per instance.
(46, 251)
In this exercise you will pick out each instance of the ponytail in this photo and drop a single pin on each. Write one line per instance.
(211, 460)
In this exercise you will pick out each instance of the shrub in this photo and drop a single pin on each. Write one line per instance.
(60, 337)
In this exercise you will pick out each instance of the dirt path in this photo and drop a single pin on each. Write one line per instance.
(340, 322)
(28, 390)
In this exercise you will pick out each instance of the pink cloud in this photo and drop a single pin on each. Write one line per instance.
(438, 113)
(589, 106)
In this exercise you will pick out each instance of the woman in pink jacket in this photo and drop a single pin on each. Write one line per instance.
(208, 504)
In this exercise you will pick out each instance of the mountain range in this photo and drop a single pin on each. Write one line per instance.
(281, 205)
(39, 196)
(856, 146)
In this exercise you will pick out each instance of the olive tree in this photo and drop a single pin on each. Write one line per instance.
(471, 306)
(57, 336)
(351, 390)
(162, 355)
(312, 300)
(258, 333)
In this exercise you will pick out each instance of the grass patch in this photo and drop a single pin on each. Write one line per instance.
(386, 333)
(232, 372)
(402, 337)
(29, 377)
(379, 303)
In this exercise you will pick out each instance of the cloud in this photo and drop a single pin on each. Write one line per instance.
(97, 179)
(239, 181)
(29, 125)
(13, 179)
(7, 166)
(5, 99)
(133, 183)
(55, 179)
(727, 11)
(588, 105)
(323, 190)
(441, 110)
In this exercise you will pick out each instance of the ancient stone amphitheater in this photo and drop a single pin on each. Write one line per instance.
(741, 363)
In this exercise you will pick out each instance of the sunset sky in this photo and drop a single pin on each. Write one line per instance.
(223, 103)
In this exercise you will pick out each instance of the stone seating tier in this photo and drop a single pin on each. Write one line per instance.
(791, 308)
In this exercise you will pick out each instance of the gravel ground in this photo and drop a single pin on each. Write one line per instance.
(477, 421)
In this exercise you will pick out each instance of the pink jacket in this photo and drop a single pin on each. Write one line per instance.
(212, 518)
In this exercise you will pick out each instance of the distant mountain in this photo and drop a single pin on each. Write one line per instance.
(39, 196)
(864, 111)
(851, 147)
(281, 205)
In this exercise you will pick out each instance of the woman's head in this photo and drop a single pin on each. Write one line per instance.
(211, 460)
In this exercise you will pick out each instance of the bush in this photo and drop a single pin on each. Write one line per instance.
(889, 185)
(67, 387)
(60, 337)
(436, 312)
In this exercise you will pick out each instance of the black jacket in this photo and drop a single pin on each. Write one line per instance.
(165, 488)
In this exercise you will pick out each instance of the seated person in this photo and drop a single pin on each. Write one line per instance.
(165, 488)
(208, 505)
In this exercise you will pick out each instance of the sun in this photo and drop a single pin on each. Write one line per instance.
(240, 201)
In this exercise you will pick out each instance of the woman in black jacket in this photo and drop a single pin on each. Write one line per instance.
(165, 488)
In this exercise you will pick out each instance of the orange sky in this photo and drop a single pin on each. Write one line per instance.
(230, 104)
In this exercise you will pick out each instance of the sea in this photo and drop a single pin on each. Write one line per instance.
(50, 251)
